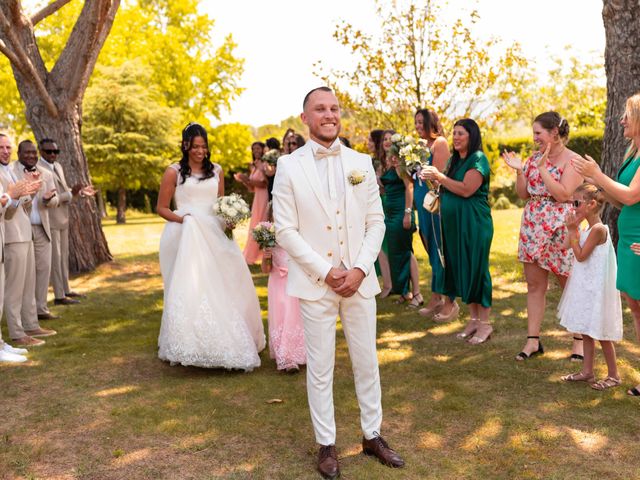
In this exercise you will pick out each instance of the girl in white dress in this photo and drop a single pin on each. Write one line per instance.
(211, 315)
(590, 304)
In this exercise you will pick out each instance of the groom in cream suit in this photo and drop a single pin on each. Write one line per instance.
(329, 219)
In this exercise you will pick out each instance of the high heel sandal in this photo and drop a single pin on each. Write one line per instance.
(416, 301)
(483, 333)
(452, 315)
(430, 310)
(576, 357)
(524, 356)
(402, 299)
(469, 330)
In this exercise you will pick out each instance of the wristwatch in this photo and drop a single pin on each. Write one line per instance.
(408, 210)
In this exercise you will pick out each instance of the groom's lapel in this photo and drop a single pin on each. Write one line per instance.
(309, 167)
(347, 154)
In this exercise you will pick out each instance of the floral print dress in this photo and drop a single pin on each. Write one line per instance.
(543, 231)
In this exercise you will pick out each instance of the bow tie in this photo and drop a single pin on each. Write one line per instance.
(322, 152)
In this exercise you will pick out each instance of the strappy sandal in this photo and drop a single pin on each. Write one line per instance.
(452, 315)
(416, 301)
(469, 330)
(609, 382)
(576, 357)
(402, 299)
(578, 377)
(524, 356)
(483, 333)
(634, 392)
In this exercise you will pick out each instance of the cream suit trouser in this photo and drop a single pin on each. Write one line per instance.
(358, 316)
(60, 262)
(20, 289)
(42, 253)
(1, 298)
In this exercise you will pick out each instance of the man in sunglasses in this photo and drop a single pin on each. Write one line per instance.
(59, 219)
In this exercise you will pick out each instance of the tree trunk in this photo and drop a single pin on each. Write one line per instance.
(122, 206)
(622, 64)
(87, 243)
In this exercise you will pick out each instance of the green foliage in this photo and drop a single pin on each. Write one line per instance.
(127, 130)
(230, 146)
(416, 59)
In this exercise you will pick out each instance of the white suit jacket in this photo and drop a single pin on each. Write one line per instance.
(302, 219)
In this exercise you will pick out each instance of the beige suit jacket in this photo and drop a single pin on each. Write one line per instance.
(47, 184)
(302, 217)
(58, 217)
(17, 226)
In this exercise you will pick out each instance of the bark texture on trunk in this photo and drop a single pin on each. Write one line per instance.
(122, 206)
(622, 64)
(53, 104)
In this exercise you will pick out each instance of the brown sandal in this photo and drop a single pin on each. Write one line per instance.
(578, 377)
(609, 382)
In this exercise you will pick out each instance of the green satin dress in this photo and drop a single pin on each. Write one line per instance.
(467, 228)
(628, 233)
(398, 240)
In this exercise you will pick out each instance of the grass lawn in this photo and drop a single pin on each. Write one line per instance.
(96, 403)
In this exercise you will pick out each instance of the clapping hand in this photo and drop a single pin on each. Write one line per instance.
(50, 194)
(636, 248)
(542, 159)
(585, 166)
(22, 188)
(241, 177)
(572, 221)
(512, 160)
(430, 173)
(88, 191)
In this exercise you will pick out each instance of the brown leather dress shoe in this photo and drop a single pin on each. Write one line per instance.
(27, 341)
(380, 449)
(40, 332)
(75, 295)
(47, 316)
(65, 301)
(328, 462)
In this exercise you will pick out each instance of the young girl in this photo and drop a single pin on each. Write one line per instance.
(286, 334)
(590, 304)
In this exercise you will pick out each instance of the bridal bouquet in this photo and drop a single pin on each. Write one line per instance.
(272, 156)
(265, 236)
(411, 153)
(232, 209)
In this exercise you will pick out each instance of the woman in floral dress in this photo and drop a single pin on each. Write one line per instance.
(547, 181)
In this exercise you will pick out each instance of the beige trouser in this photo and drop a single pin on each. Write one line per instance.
(20, 289)
(1, 299)
(42, 254)
(358, 316)
(60, 262)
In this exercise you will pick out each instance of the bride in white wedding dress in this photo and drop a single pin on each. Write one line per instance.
(211, 314)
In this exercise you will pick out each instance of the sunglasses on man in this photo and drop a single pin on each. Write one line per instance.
(51, 151)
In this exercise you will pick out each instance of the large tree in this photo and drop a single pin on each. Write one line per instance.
(622, 64)
(53, 102)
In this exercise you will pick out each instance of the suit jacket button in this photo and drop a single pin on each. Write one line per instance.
(328, 227)
(329, 254)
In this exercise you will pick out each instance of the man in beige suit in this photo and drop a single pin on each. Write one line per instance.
(20, 272)
(9, 193)
(59, 220)
(44, 200)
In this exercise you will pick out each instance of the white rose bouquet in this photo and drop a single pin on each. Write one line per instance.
(272, 156)
(411, 153)
(265, 236)
(232, 209)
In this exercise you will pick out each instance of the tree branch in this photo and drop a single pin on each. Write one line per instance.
(15, 61)
(25, 65)
(48, 10)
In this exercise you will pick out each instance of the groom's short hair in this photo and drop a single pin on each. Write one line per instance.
(306, 97)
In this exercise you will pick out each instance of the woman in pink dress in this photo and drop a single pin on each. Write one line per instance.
(546, 180)
(286, 333)
(255, 182)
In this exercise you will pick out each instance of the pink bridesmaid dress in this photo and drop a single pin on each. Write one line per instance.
(252, 253)
(286, 333)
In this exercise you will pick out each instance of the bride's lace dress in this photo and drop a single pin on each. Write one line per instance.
(211, 314)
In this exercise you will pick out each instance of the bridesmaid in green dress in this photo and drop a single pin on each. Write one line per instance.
(624, 194)
(467, 227)
(401, 224)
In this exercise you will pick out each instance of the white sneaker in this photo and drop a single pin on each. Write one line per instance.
(11, 357)
(17, 351)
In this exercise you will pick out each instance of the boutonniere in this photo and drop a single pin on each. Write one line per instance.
(356, 177)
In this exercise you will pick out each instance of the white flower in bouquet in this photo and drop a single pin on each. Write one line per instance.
(265, 235)
(232, 209)
(412, 155)
(272, 156)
